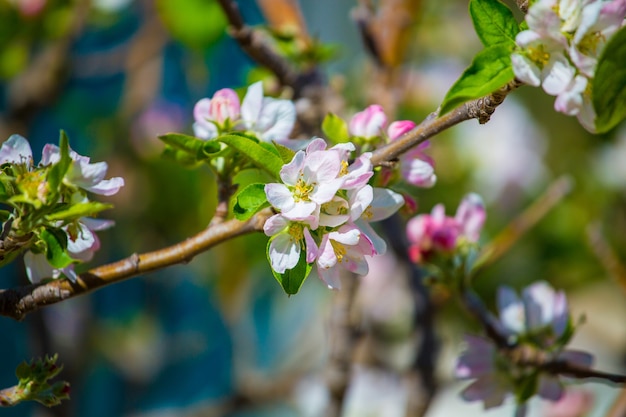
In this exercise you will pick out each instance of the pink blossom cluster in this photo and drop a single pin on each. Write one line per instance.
(539, 318)
(82, 242)
(325, 205)
(436, 233)
(561, 47)
(416, 167)
(269, 118)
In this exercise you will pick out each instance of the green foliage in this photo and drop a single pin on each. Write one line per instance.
(58, 170)
(77, 211)
(196, 23)
(335, 128)
(257, 153)
(291, 281)
(494, 22)
(249, 201)
(56, 247)
(190, 145)
(609, 84)
(34, 386)
(490, 70)
(284, 152)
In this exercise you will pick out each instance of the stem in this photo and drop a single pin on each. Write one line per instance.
(17, 302)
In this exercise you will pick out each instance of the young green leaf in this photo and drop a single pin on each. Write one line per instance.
(609, 84)
(494, 22)
(259, 156)
(284, 152)
(56, 247)
(292, 279)
(79, 210)
(335, 128)
(490, 70)
(189, 144)
(249, 201)
(58, 170)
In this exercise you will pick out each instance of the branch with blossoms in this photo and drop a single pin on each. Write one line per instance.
(315, 198)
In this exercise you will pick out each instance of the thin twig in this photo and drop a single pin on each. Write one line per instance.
(606, 255)
(480, 109)
(17, 302)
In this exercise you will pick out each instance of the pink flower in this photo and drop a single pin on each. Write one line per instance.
(437, 233)
(369, 123)
(309, 180)
(416, 167)
(216, 113)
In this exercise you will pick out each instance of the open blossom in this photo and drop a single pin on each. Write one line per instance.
(437, 233)
(537, 320)
(269, 118)
(561, 47)
(325, 206)
(82, 244)
(82, 173)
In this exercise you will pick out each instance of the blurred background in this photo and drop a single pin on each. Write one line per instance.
(218, 337)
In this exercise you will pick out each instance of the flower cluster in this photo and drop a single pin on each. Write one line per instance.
(368, 126)
(79, 177)
(269, 118)
(324, 208)
(561, 47)
(539, 321)
(436, 233)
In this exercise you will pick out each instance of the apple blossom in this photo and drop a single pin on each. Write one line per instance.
(434, 233)
(16, 150)
(368, 123)
(82, 173)
(416, 167)
(215, 114)
(271, 119)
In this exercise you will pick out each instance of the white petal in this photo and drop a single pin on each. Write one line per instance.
(284, 253)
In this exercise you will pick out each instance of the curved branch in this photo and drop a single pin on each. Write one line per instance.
(17, 302)
(480, 109)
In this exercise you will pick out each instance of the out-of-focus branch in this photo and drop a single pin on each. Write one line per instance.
(525, 221)
(480, 109)
(253, 43)
(606, 255)
(17, 302)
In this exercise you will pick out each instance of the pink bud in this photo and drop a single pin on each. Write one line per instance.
(471, 216)
(399, 128)
(224, 105)
(368, 123)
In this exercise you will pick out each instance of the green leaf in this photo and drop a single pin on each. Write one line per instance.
(609, 84)
(180, 157)
(335, 128)
(58, 170)
(490, 70)
(259, 156)
(494, 22)
(79, 210)
(56, 247)
(284, 152)
(191, 145)
(249, 201)
(292, 279)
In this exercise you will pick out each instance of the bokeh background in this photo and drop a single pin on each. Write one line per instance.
(207, 338)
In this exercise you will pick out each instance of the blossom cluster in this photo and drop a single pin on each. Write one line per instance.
(561, 47)
(368, 126)
(324, 207)
(435, 233)
(539, 320)
(81, 176)
(269, 118)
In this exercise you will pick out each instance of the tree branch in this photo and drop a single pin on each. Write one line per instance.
(480, 109)
(17, 302)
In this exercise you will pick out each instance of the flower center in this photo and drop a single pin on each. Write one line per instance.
(344, 168)
(295, 231)
(340, 250)
(303, 190)
(538, 55)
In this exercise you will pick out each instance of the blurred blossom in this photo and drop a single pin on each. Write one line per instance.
(609, 161)
(159, 118)
(375, 392)
(29, 7)
(436, 233)
(507, 153)
(573, 403)
(368, 123)
(541, 309)
(111, 6)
